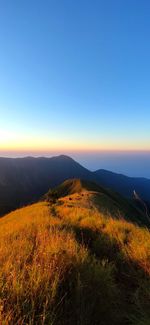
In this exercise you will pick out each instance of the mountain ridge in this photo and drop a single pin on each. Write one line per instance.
(104, 200)
(120, 174)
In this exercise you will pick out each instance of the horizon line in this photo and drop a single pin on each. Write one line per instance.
(63, 151)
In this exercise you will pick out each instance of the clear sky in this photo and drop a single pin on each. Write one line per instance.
(74, 75)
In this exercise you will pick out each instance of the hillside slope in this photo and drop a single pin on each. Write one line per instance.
(67, 263)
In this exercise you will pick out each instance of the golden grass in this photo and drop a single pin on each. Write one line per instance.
(132, 240)
(34, 256)
(68, 264)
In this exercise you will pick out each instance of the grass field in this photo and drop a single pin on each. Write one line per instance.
(66, 263)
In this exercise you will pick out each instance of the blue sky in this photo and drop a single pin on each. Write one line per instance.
(74, 75)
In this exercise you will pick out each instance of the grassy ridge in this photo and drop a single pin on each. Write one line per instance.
(67, 264)
(107, 201)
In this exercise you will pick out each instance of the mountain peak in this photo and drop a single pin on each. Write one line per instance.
(65, 157)
(75, 185)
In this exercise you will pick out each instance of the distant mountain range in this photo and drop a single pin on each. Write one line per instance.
(25, 180)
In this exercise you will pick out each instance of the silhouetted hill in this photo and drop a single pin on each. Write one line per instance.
(25, 180)
(124, 184)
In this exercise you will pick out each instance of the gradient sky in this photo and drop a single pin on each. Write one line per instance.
(74, 75)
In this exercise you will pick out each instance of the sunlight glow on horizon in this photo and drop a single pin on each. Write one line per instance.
(42, 147)
(16, 142)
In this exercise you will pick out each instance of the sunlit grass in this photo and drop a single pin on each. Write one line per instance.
(66, 264)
